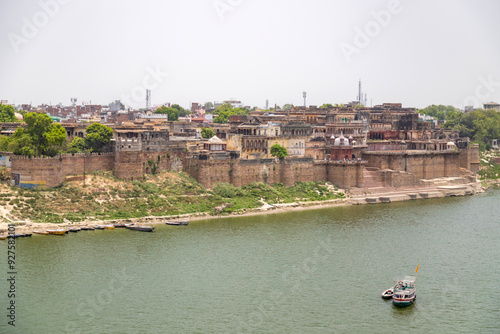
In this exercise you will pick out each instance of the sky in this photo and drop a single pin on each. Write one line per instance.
(414, 52)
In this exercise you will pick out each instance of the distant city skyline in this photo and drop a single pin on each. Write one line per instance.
(416, 53)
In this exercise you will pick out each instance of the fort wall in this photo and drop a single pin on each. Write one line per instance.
(422, 164)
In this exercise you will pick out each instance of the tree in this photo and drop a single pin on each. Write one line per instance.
(173, 113)
(327, 105)
(224, 111)
(97, 137)
(182, 112)
(209, 105)
(7, 114)
(279, 151)
(41, 137)
(77, 145)
(288, 106)
(207, 133)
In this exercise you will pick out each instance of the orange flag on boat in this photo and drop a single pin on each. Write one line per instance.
(416, 271)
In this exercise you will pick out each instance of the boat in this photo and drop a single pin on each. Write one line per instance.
(58, 232)
(173, 223)
(177, 222)
(105, 227)
(404, 292)
(74, 229)
(41, 232)
(141, 228)
(2, 237)
(387, 294)
(25, 235)
(87, 228)
(120, 225)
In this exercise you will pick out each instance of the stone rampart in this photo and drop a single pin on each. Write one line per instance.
(422, 164)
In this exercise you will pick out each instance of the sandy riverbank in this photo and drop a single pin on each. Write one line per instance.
(355, 197)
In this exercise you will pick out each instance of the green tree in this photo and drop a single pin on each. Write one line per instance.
(288, 106)
(41, 137)
(77, 145)
(327, 105)
(224, 111)
(98, 136)
(182, 112)
(207, 133)
(7, 114)
(209, 105)
(279, 151)
(173, 113)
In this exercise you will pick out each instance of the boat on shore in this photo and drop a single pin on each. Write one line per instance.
(57, 232)
(177, 222)
(41, 232)
(87, 228)
(141, 228)
(105, 227)
(74, 229)
(404, 292)
(2, 237)
(120, 225)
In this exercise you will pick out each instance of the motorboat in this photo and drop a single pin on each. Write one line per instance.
(387, 294)
(404, 292)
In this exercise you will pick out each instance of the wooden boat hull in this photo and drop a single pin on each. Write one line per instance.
(41, 232)
(141, 228)
(57, 232)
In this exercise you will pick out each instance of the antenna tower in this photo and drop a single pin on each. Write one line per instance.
(305, 96)
(148, 99)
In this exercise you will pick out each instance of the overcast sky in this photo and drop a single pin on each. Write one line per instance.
(418, 52)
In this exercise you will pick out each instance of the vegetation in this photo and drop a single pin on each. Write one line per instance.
(209, 105)
(480, 125)
(173, 113)
(438, 112)
(288, 106)
(41, 137)
(489, 169)
(278, 151)
(327, 105)
(207, 133)
(7, 114)
(224, 111)
(166, 193)
(98, 136)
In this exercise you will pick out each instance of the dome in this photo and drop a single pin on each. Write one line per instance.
(350, 137)
(341, 141)
(332, 137)
(451, 144)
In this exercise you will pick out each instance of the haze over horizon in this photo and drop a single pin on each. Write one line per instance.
(415, 52)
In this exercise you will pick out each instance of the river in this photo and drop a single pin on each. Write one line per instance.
(319, 271)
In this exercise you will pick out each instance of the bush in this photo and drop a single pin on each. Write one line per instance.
(227, 190)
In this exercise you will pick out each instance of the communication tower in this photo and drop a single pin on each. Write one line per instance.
(148, 99)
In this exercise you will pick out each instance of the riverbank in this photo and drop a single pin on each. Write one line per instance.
(357, 196)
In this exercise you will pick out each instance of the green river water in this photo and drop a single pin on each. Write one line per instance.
(318, 271)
